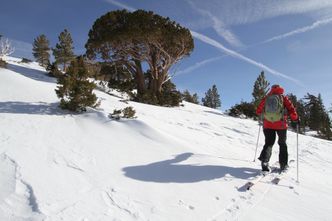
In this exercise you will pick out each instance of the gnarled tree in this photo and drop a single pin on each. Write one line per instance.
(134, 38)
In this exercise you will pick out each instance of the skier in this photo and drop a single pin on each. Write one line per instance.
(275, 107)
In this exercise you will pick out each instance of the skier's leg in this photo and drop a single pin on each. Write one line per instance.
(270, 137)
(283, 153)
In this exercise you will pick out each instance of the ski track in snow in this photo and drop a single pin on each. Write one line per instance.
(17, 198)
(248, 200)
(121, 204)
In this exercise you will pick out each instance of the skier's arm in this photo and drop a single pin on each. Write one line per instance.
(260, 107)
(291, 109)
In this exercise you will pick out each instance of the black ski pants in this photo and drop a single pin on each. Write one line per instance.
(270, 137)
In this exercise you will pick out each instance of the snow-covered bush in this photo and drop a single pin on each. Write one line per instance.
(6, 48)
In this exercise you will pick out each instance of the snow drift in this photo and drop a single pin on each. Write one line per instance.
(183, 163)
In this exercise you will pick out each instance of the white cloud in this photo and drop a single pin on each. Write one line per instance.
(219, 46)
(316, 24)
(247, 11)
(121, 5)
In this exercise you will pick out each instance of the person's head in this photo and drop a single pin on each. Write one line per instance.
(277, 89)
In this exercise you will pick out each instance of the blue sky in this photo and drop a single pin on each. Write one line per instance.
(234, 39)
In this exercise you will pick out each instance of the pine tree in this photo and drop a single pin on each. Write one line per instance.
(301, 111)
(195, 98)
(260, 89)
(63, 51)
(74, 89)
(41, 50)
(318, 118)
(212, 98)
(137, 39)
(186, 96)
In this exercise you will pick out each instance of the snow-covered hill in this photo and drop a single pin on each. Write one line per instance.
(183, 163)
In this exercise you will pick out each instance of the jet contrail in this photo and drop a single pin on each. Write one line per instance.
(216, 44)
(121, 5)
(300, 30)
(197, 65)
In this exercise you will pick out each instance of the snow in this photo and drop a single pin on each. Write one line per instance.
(183, 163)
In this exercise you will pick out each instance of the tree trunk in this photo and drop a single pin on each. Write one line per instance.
(139, 78)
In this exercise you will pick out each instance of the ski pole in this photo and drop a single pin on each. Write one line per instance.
(259, 131)
(297, 151)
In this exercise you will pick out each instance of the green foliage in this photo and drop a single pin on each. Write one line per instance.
(74, 89)
(168, 97)
(127, 112)
(53, 70)
(63, 51)
(3, 64)
(134, 38)
(118, 77)
(244, 108)
(301, 111)
(186, 96)
(260, 89)
(41, 50)
(317, 117)
(212, 98)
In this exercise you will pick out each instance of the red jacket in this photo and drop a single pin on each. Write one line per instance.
(282, 124)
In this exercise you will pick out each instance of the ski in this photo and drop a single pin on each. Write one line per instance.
(277, 179)
(261, 176)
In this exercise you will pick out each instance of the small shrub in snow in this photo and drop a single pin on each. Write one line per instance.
(127, 112)
(3, 64)
(243, 110)
(25, 60)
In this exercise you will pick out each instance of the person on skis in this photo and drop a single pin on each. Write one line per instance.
(274, 108)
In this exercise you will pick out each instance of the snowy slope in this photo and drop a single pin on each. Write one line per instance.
(183, 163)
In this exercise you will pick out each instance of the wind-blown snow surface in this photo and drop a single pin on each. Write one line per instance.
(183, 163)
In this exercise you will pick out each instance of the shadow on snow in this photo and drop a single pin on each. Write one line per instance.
(31, 73)
(16, 107)
(169, 171)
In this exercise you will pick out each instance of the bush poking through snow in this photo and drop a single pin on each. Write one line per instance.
(25, 60)
(127, 112)
(3, 64)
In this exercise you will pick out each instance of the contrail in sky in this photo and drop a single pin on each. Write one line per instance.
(235, 54)
(121, 5)
(300, 30)
(197, 65)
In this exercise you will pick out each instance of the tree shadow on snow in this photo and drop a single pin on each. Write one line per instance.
(169, 171)
(41, 108)
(31, 73)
